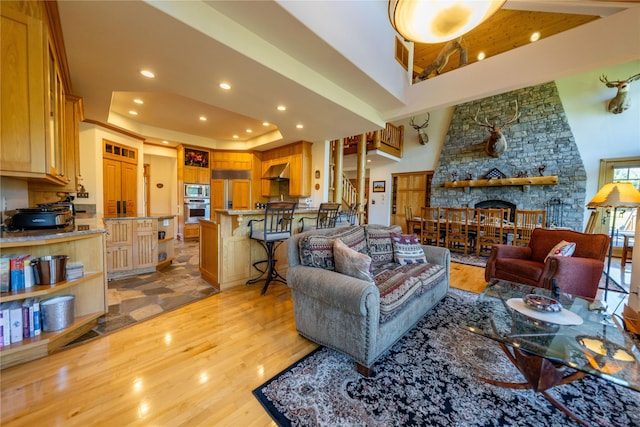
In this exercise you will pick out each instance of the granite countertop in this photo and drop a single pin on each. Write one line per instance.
(78, 228)
(154, 216)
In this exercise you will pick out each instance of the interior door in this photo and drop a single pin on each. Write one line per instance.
(129, 190)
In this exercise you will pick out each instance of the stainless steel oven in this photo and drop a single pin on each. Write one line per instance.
(194, 209)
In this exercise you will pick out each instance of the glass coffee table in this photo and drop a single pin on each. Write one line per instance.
(543, 345)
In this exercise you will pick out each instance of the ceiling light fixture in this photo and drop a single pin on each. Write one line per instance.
(133, 113)
(248, 131)
(282, 108)
(481, 56)
(225, 86)
(265, 123)
(147, 73)
(535, 36)
(165, 142)
(138, 101)
(235, 137)
(203, 119)
(437, 21)
(299, 126)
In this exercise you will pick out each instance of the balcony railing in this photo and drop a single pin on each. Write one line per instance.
(388, 140)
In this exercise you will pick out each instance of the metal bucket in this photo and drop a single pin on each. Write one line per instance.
(50, 269)
(57, 312)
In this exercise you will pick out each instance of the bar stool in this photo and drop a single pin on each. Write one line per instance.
(326, 218)
(277, 224)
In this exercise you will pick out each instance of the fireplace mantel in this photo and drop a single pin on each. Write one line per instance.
(503, 182)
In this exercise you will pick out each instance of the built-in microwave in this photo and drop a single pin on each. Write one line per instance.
(196, 190)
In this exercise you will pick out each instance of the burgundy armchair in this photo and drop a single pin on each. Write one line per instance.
(578, 275)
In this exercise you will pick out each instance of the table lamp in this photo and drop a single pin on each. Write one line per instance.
(614, 195)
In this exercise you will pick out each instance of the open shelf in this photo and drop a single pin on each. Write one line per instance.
(40, 290)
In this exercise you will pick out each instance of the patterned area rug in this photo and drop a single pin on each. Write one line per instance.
(469, 259)
(429, 378)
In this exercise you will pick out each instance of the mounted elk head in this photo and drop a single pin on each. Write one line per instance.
(496, 144)
(620, 102)
(422, 133)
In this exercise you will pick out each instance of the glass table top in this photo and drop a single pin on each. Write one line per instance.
(589, 341)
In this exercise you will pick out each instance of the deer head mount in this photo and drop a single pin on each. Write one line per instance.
(620, 102)
(496, 144)
(422, 133)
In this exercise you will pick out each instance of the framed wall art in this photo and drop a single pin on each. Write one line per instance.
(379, 186)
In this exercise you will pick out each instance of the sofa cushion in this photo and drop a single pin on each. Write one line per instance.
(563, 248)
(380, 244)
(351, 262)
(400, 284)
(407, 249)
(317, 250)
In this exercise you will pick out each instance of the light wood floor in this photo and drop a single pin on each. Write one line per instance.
(195, 366)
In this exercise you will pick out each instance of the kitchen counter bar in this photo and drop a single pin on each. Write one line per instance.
(227, 253)
(81, 227)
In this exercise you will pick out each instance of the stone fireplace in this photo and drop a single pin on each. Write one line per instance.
(539, 143)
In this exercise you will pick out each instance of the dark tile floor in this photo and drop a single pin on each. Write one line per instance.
(140, 297)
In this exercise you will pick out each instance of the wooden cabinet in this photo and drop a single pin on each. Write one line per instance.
(231, 160)
(217, 195)
(119, 246)
(190, 231)
(298, 155)
(196, 175)
(90, 291)
(119, 178)
(145, 243)
(35, 130)
(241, 193)
(134, 247)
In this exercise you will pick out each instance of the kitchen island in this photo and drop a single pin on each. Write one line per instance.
(227, 253)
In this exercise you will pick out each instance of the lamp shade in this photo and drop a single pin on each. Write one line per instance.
(437, 21)
(616, 195)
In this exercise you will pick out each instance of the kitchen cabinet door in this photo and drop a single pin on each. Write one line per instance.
(300, 172)
(22, 111)
(217, 195)
(196, 175)
(145, 243)
(241, 193)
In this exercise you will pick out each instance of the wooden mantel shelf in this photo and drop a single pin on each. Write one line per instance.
(503, 182)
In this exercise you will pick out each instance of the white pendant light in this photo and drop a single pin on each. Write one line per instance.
(437, 21)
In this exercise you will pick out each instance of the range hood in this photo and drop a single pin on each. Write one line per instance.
(279, 172)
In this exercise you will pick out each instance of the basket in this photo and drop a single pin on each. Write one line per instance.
(57, 312)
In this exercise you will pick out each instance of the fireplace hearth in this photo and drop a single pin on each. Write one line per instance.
(498, 204)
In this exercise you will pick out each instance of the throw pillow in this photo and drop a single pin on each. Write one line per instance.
(407, 249)
(317, 250)
(563, 248)
(380, 244)
(351, 262)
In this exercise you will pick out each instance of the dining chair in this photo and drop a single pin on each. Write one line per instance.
(489, 230)
(457, 236)
(276, 228)
(325, 218)
(591, 222)
(627, 250)
(431, 231)
(412, 225)
(525, 222)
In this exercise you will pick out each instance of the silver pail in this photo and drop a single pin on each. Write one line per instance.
(57, 312)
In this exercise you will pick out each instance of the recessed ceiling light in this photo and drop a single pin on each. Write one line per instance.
(203, 119)
(235, 137)
(138, 101)
(368, 160)
(225, 86)
(147, 73)
(299, 126)
(265, 123)
(248, 131)
(481, 56)
(133, 113)
(165, 142)
(535, 36)
(282, 108)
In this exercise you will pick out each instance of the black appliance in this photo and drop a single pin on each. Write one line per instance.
(44, 216)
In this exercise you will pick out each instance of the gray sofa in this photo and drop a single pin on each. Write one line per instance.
(358, 317)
